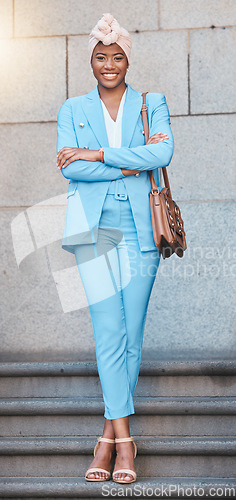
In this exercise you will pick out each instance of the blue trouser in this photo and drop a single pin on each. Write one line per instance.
(118, 279)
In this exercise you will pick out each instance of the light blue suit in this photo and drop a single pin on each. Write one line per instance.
(89, 181)
(112, 237)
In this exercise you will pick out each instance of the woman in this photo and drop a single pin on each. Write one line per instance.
(101, 149)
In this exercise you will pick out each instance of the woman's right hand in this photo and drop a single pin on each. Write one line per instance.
(127, 172)
(154, 139)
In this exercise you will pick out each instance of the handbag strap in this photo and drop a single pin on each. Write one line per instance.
(146, 135)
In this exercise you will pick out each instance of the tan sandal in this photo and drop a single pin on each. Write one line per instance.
(98, 469)
(126, 471)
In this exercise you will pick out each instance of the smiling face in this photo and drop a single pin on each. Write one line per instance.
(109, 64)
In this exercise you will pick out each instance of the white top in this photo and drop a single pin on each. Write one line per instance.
(114, 129)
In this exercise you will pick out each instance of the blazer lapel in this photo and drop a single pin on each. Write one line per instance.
(93, 110)
(131, 113)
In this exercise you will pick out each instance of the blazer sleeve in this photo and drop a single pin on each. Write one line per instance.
(151, 156)
(80, 170)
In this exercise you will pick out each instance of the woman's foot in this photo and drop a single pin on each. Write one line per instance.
(124, 460)
(103, 460)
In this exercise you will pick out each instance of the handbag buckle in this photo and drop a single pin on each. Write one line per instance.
(155, 191)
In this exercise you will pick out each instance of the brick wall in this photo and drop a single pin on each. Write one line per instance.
(182, 48)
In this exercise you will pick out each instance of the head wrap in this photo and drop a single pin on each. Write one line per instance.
(108, 31)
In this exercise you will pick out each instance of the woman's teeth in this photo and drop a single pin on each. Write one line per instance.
(109, 75)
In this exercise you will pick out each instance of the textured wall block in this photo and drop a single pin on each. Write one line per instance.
(35, 326)
(159, 64)
(81, 79)
(72, 17)
(6, 21)
(33, 82)
(191, 308)
(191, 14)
(212, 71)
(154, 67)
(28, 173)
(203, 164)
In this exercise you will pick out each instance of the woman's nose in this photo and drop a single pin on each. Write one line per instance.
(109, 63)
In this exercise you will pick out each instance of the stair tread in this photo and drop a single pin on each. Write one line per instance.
(137, 398)
(95, 406)
(142, 438)
(147, 445)
(79, 488)
(89, 368)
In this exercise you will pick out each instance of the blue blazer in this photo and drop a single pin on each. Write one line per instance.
(81, 124)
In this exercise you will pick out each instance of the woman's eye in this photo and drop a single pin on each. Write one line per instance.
(118, 58)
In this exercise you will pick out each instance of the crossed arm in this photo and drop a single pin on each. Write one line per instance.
(84, 165)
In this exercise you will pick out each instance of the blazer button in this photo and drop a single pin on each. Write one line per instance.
(85, 147)
(81, 124)
(143, 132)
(137, 175)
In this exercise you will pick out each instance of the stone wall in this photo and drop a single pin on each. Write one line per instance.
(182, 48)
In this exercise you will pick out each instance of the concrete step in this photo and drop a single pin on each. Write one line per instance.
(89, 368)
(84, 417)
(143, 488)
(148, 445)
(81, 379)
(72, 456)
(95, 406)
(144, 425)
(88, 386)
(139, 489)
(147, 466)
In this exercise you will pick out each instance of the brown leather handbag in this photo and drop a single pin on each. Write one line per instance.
(167, 223)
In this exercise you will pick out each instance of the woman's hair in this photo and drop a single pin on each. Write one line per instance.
(109, 31)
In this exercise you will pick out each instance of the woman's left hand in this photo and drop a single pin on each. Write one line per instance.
(68, 155)
(155, 138)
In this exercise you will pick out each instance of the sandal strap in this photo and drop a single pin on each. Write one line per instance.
(124, 440)
(96, 469)
(106, 440)
(125, 471)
